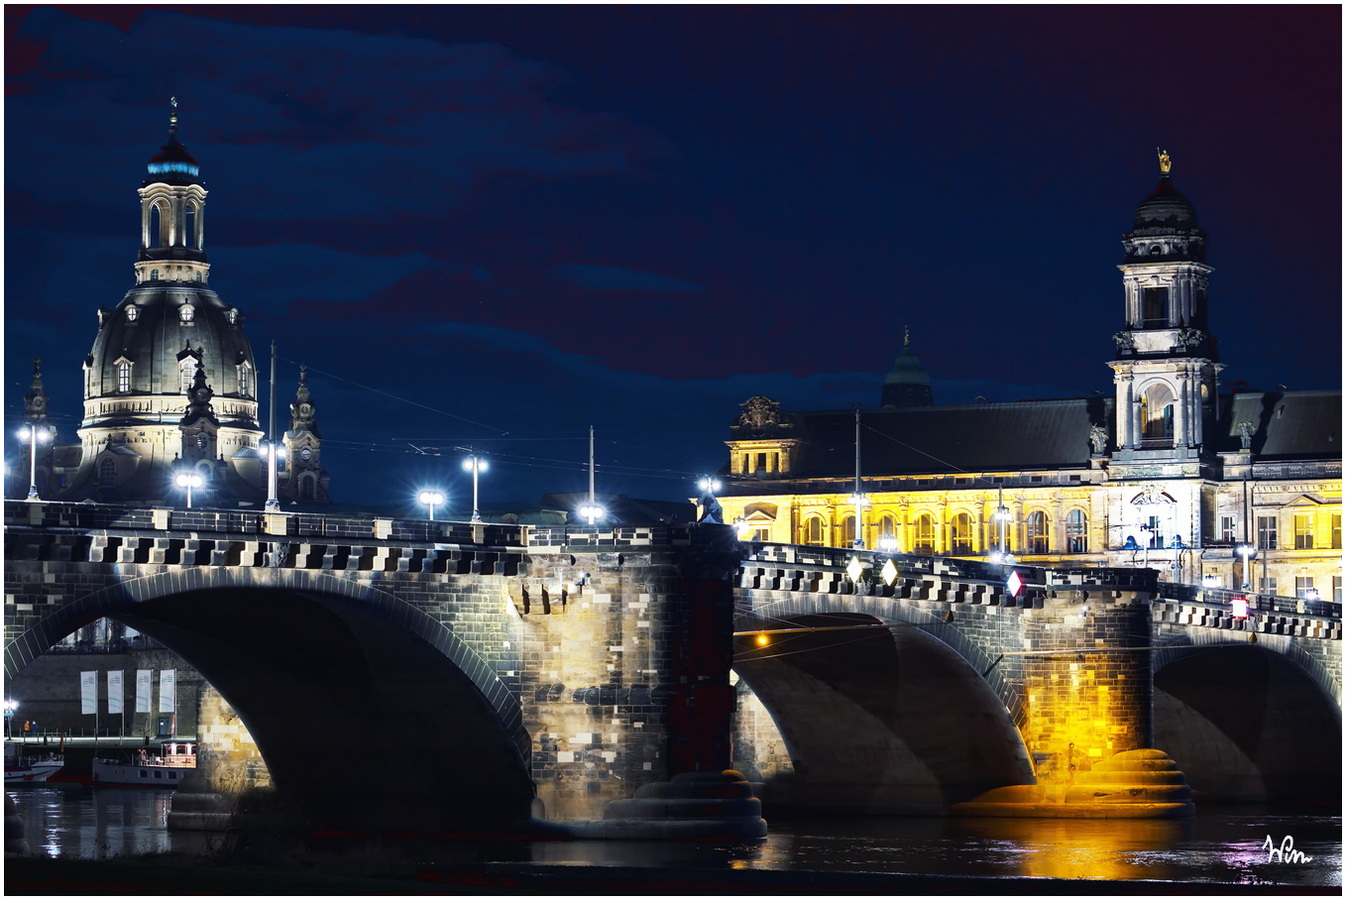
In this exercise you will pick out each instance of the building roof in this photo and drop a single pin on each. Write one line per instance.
(1288, 425)
(1029, 434)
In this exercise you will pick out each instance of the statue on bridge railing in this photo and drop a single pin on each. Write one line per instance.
(711, 512)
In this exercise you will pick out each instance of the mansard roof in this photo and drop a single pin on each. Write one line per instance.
(982, 437)
(1289, 425)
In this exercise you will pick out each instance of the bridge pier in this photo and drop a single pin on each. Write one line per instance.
(1087, 718)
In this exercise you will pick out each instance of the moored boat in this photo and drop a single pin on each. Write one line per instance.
(21, 769)
(166, 768)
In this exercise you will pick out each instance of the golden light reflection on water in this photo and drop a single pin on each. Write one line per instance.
(1112, 849)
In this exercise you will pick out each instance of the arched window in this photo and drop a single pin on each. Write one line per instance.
(960, 535)
(244, 382)
(107, 473)
(924, 537)
(159, 225)
(132, 313)
(1156, 414)
(848, 531)
(1037, 532)
(186, 372)
(885, 532)
(123, 377)
(186, 312)
(1077, 532)
(813, 531)
(190, 212)
(154, 274)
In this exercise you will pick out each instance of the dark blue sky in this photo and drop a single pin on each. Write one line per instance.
(476, 223)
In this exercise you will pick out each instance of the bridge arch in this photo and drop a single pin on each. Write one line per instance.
(342, 684)
(1248, 721)
(885, 677)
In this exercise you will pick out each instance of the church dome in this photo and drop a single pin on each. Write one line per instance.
(151, 334)
(1165, 208)
(907, 382)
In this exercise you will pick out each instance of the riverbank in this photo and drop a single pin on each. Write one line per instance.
(169, 875)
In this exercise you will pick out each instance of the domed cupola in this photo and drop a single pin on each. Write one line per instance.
(173, 164)
(1165, 225)
(173, 215)
(907, 383)
(167, 331)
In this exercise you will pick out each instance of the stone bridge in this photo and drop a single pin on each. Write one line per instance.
(514, 663)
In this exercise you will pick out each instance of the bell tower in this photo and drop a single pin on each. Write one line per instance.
(1165, 368)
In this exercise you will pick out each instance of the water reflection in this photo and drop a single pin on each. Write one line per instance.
(77, 821)
(1105, 849)
(1220, 846)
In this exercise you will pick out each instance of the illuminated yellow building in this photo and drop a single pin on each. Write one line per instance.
(1177, 481)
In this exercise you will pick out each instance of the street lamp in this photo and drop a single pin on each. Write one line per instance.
(33, 434)
(888, 544)
(187, 481)
(431, 499)
(1001, 515)
(1177, 546)
(1247, 552)
(475, 464)
(274, 453)
(591, 510)
(10, 707)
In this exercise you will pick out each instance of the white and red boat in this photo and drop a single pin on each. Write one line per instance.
(21, 769)
(166, 768)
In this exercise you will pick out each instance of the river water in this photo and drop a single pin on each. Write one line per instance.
(1221, 845)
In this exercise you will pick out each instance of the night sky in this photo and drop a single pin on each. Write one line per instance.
(496, 226)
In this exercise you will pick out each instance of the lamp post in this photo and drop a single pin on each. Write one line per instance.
(274, 453)
(1001, 515)
(591, 510)
(33, 434)
(10, 707)
(861, 501)
(888, 544)
(475, 464)
(1177, 546)
(431, 499)
(1247, 552)
(187, 481)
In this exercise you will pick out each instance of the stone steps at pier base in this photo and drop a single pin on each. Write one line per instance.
(195, 808)
(693, 806)
(1133, 784)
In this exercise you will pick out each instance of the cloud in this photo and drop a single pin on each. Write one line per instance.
(325, 122)
(613, 279)
(275, 274)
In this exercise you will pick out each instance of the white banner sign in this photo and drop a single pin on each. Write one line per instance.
(143, 689)
(88, 693)
(116, 695)
(167, 694)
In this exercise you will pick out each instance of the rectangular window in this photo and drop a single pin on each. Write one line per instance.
(760, 534)
(1267, 585)
(1156, 532)
(1336, 588)
(1154, 306)
(761, 462)
(1304, 532)
(1303, 585)
(1336, 531)
(1266, 532)
(1227, 526)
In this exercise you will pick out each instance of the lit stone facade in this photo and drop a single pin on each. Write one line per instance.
(1168, 473)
